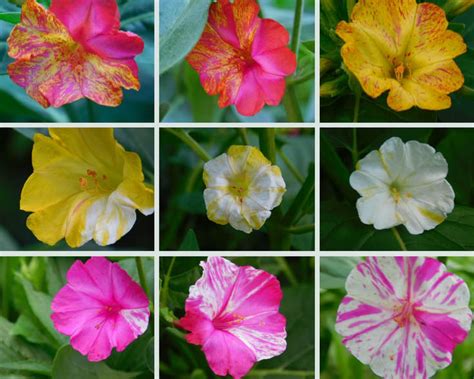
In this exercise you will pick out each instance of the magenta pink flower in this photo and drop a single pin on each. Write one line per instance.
(404, 315)
(100, 308)
(232, 312)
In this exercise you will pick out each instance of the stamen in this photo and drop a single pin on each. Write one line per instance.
(399, 71)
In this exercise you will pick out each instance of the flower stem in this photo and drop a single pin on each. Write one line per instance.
(292, 107)
(355, 152)
(191, 142)
(357, 107)
(295, 38)
(301, 229)
(286, 269)
(304, 194)
(141, 275)
(244, 136)
(166, 284)
(5, 278)
(267, 143)
(291, 166)
(399, 239)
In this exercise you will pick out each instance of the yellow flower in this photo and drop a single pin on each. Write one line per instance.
(242, 188)
(84, 186)
(405, 48)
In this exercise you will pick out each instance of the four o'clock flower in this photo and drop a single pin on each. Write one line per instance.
(84, 186)
(403, 184)
(405, 48)
(73, 50)
(242, 187)
(100, 308)
(232, 312)
(242, 58)
(404, 315)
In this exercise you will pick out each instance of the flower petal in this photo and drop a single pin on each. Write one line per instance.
(117, 45)
(281, 61)
(379, 210)
(86, 19)
(246, 21)
(270, 35)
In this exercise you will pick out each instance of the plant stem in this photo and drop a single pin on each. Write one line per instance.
(292, 107)
(5, 285)
(291, 166)
(399, 239)
(286, 269)
(166, 283)
(301, 229)
(298, 80)
(191, 142)
(141, 275)
(267, 143)
(244, 136)
(357, 107)
(295, 38)
(307, 189)
(355, 152)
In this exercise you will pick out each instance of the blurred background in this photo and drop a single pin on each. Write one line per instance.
(181, 360)
(183, 221)
(15, 167)
(137, 16)
(336, 362)
(182, 98)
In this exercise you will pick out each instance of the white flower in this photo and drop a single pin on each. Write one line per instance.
(242, 188)
(403, 183)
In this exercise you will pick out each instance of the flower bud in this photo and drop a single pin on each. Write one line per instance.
(454, 8)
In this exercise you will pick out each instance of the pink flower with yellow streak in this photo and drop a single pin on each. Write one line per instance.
(405, 48)
(242, 57)
(404, 315)
(73, 50)
(232, 312)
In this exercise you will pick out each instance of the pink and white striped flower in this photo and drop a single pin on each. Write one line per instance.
(404, 315)
(232, 312)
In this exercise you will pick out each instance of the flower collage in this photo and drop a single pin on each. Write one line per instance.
(182, 198)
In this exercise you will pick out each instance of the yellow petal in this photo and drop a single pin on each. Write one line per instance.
(132, 168)
(136, 195)
(431, 42)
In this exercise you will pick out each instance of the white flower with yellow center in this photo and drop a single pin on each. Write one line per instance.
(242, 188)
(403, 183)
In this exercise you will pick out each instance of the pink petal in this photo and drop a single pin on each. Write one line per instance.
(227, 355)
(86, 19)
(221, 19)
(116, 45)
(269, 36)
(272, 86)
(280, 61)
(250, 99)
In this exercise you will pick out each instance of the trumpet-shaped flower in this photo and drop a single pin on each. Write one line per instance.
(73, 50)
(232, 312)
(403, 183)
(100, 308)
(405, 48)
(404, 315)
(84, 186)
(242, 187)
(242, 57)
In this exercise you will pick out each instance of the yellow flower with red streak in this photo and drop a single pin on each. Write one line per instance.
(73, 50)
(84, 186)
(405, 48)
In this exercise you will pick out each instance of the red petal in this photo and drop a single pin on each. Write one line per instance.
(280, 61)
(269, 36)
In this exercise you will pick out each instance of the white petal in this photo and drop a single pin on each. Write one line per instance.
(418, 216)
(378, 210)
(392, 157)
(217, 171)
(373, 165)
(254, 214)
(367, 184)
(423, 164)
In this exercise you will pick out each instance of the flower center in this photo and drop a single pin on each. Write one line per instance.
(92, 182)
(399, 72)
(395, 192)
(246, 58)
(404, 313)
(227, 321)
(238, 187)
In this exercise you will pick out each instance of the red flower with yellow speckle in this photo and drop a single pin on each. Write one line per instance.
(73, 50)
(242, 57)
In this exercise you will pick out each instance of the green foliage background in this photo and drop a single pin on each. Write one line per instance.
(183, 221)
(16, 106)
(341, 228)
(15, 168)
(336, 362)
(180, 360)
(30, 346)
(340, 106)
(182, 98)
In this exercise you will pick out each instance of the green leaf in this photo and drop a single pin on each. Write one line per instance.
(10, 17)
(181, 25)
(32, 367)
(6, 240)
(70, 364)
(150, 355)
(334, 271)
(26, 328)
(190, 242)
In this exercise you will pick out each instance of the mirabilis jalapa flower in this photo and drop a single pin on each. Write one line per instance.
(242, 187)
(403, 183)
(73, 50)
(84, 186)
(405, 48)
(232, 312)
(242, 57)
(404, 316)
(100, 308)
